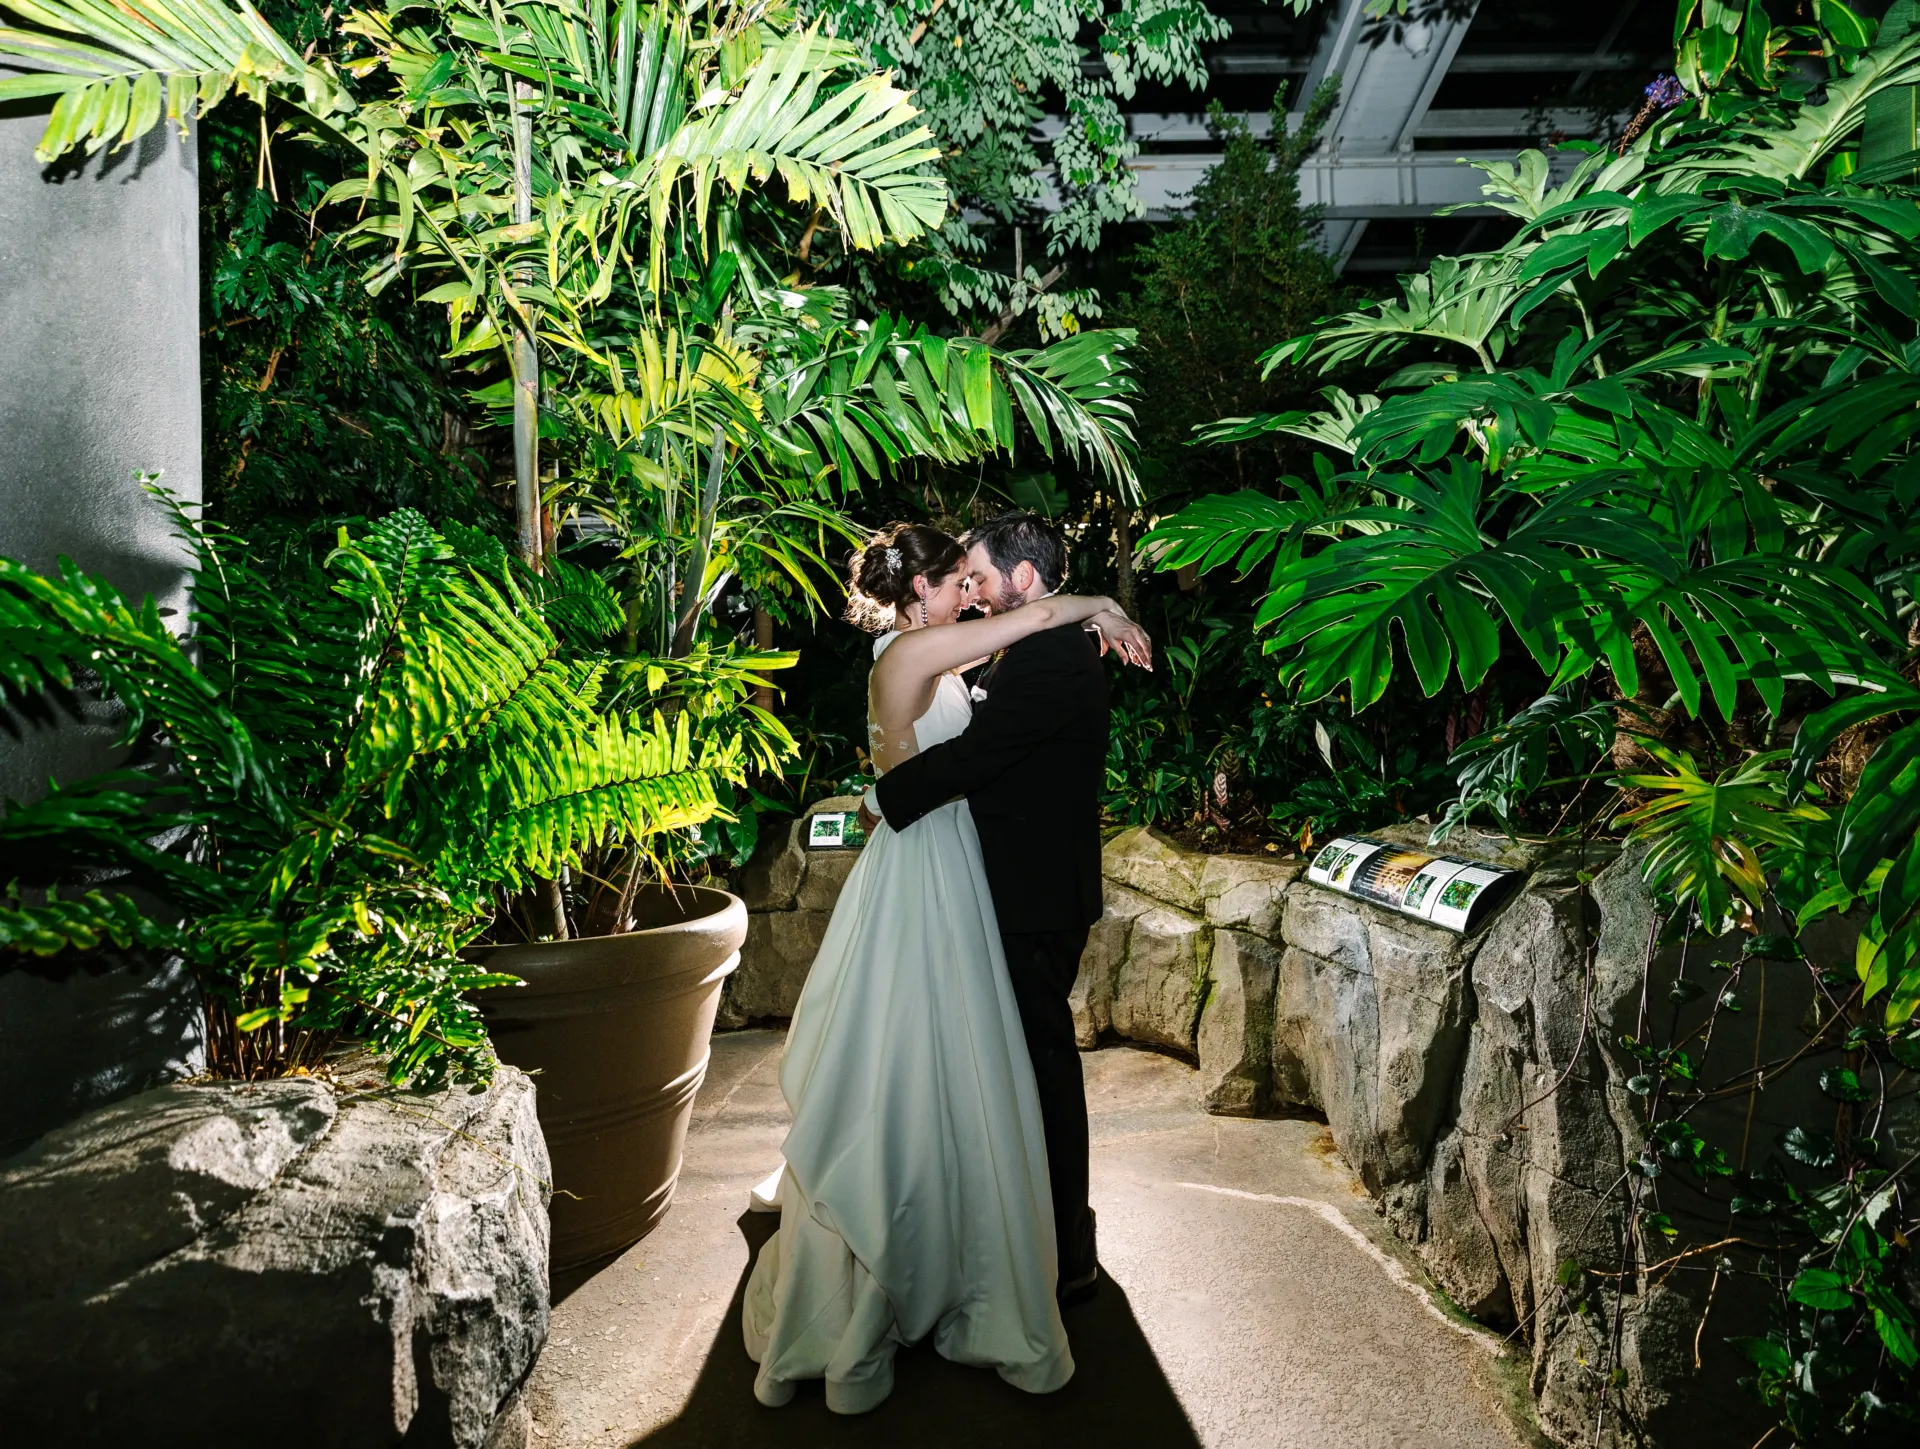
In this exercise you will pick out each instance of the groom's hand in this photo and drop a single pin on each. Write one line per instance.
(869, 822)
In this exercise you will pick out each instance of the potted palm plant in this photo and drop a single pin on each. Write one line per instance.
(709, 420)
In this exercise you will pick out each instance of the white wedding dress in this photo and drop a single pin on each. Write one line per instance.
(914, 1194)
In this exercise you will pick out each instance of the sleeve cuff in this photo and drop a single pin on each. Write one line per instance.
(871, 800)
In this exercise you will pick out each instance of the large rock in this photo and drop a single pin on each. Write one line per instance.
(1246, 893)
(1162, 981)
(1245, 902)
(1146, 861)
(1236, 1027)
(1148, 975)
(1106, 952)
(774, 962)
(344, 1267)
(1370, 1018)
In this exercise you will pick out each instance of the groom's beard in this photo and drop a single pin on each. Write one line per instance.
(1008, 599)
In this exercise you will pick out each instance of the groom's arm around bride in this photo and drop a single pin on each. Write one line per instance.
(1030, 766)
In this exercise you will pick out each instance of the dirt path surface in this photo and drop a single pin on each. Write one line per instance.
(1254, 1301)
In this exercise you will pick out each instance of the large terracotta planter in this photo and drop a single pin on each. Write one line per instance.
(617, 1028)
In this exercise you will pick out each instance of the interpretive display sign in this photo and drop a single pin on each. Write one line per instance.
(1443, 889)
(835, 830)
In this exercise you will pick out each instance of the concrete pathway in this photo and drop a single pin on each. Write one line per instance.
(1254, 1301)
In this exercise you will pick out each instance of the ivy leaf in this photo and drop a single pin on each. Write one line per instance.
(1821, 1288)
(1814, 1149)
(1843, 1085)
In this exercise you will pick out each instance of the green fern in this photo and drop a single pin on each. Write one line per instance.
(458, 736)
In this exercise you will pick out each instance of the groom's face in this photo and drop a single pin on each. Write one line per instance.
(999, 592)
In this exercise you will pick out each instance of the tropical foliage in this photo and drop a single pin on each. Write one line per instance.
(338, 775)
(991, 79)
(1655, 453)
(1215, 290)
(318, 397)
(420, 739)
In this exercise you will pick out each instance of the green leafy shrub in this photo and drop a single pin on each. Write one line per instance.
(1656, 454)
(346, 764)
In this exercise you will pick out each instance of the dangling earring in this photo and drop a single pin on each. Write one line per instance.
(923, 613)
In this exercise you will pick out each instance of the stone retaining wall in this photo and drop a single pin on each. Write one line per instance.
(790, 893)
(1476, 1084)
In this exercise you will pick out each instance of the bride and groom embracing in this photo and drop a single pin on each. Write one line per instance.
(935, 1177)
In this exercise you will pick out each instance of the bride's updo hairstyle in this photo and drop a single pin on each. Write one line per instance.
(881, 579)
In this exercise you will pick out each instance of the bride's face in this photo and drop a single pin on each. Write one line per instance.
(945, 600)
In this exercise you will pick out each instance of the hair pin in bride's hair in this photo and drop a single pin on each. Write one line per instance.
(893, 558)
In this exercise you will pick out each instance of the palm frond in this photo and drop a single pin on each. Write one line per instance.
(616, 781)
(119, 70)
(854, 151)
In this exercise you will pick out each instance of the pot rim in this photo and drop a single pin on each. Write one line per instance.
(705, 921)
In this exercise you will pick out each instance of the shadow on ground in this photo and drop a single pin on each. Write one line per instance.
(1118, 1394)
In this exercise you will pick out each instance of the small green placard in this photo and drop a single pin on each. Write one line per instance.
(835, 830)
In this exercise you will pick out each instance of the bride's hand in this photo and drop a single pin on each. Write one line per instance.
(1116, 631)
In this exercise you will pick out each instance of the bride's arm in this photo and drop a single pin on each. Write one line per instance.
(924, 654)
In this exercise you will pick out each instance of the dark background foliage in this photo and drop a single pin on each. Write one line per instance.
(319, 398)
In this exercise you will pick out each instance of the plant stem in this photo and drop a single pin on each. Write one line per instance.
(763, 639)
(702, 546)
(524, 357)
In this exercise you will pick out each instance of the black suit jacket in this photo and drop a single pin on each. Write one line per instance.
(1030, 766)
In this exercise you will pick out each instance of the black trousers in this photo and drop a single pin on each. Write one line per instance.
(1042, 967)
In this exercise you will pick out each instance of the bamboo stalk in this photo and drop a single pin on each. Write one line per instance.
(524, 358)
(702, 546)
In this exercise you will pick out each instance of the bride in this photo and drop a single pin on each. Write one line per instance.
(914, 1196)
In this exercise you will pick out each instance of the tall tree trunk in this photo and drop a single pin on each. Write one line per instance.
(1123, 558)
(763, 639)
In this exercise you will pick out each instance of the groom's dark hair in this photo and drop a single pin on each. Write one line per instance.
(1015, 536)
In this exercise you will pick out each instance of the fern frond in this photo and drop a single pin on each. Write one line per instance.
(81, 924)
(619, 781)
(51, 627)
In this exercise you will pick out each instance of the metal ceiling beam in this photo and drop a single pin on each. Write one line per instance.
(1173, 128)
(1350, 189)
(1620, 19)
(1389, 72)
(1367, 166)
(1522, 62)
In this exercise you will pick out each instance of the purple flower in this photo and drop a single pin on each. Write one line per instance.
(1666, 92)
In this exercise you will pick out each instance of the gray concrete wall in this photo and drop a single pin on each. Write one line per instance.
(99, 342)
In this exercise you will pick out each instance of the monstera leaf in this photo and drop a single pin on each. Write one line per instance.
(1334, 426)
(1456, 300)
(1433, 570)
(1702, 833)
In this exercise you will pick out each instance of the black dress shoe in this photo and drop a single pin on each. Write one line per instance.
(1079, 1290)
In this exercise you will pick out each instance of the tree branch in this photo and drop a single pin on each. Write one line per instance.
(1000, 324)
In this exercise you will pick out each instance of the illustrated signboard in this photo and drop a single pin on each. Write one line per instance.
(1446, 890)
(835, 830)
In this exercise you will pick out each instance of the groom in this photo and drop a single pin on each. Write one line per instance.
(1030, 765)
